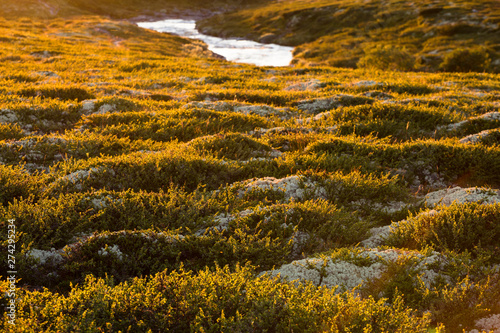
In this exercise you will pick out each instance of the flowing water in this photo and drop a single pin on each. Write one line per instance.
(237, 50)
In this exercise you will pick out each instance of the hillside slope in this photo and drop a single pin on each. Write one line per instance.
(340, 32)
(114, 8)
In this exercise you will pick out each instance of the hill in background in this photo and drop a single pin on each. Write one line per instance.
(402, 35)
(436, 35)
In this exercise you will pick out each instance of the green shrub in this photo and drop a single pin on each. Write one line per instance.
(63, 93)
(460, 227)
(387, 58)
(15, 182)
(233, 146)
(183, 125)
(451, 159)
(127, 254)
(54, 222)
(460, 305)
(10, 131)
(466, 60)
(148, 171)
(209, 301)
(327, 225)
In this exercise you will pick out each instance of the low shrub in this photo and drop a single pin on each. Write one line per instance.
(211, 300)
(233, 146)
(466, 60)
(387, 58)
(470, 227)
(63, 93)
(16, 183)
(54, 222)
(10, 131)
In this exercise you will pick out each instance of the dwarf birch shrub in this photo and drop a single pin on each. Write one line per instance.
(60, 92)
(233, 146)
(56, 221)
(211, 300)
(458, 306)
(450, 159)
(16, 183)
(144, 171)
(466, 60)
(387, 58)
(324, 223)
(127, 254)
(183, 125)
(11, 132)
(47, 150)
(459, 227)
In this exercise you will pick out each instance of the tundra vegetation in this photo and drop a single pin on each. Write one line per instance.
(155, 187)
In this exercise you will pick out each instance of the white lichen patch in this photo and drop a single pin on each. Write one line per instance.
(490, 324)
(114, 250)
(76, 177)
(33, 142)
(42, 256)
(48, 74)
(475, 138)
(367, 83)
(462, 195)
(321, 104)
(88, 106)
(377, 236)
(490, 116)
(310, 85)
(318, 117)
(299, 238)
(263, 110)
(389, 207)
(7, 116)
(293, 186)
(105, 108)
(246, 109)
(101, 202)
(347, 274)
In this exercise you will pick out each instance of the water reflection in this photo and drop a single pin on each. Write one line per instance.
(237, 50)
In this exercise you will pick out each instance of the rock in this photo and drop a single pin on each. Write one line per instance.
(462, 195)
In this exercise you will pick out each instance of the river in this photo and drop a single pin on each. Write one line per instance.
(237, 50)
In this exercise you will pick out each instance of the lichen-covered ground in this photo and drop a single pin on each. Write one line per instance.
(156, 187)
